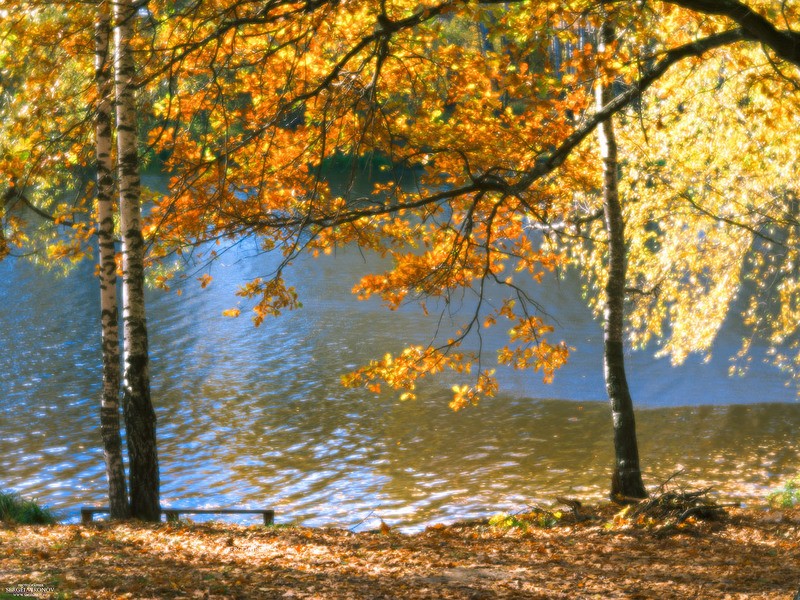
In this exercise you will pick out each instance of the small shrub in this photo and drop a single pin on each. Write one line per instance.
(536, 518)
(506, 521)
(14, 509)
(786, 496)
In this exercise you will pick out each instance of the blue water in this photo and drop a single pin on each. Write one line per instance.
(257, 417)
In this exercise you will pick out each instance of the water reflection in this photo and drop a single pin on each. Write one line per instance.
(258, 417)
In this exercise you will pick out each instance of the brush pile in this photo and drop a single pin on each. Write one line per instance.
(668, 509)
(677, 507)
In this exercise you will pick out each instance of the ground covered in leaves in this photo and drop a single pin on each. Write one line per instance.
(588, 554)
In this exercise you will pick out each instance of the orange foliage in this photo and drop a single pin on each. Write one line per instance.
(485, 106)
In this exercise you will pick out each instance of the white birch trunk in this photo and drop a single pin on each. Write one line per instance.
(626, 480)
(140, 419)
(109, 405)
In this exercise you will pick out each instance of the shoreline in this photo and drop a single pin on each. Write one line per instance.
(747, 553)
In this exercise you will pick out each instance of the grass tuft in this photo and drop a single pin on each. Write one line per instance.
(15, 509)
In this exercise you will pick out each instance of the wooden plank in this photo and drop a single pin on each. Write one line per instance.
(211, 511)
(172, 513)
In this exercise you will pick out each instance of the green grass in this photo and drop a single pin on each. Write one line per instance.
(786, 496)
(15, 509)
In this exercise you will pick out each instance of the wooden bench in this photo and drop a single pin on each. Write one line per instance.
(88, 512)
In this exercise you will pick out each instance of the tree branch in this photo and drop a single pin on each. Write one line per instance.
(670, 57)
(544, 166)
(785, 44)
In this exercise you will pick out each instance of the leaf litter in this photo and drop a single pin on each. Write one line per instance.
(591, 552)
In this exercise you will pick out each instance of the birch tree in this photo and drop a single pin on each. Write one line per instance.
(59, 125)
(107, 273)
(140, 418)
(626, 480)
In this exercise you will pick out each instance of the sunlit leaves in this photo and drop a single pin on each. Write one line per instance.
(402, 371)
(273, 296)
(251, 106)
(46, 91)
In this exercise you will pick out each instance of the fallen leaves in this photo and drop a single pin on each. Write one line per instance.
(749, 553)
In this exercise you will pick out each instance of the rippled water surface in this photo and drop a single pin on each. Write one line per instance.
(257, 417)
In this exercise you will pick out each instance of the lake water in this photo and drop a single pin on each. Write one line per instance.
(256, 416)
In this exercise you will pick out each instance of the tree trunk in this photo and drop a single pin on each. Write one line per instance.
(109, 313)
(140, 419)
(626, 481)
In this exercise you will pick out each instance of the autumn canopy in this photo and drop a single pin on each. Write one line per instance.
(651, 145)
